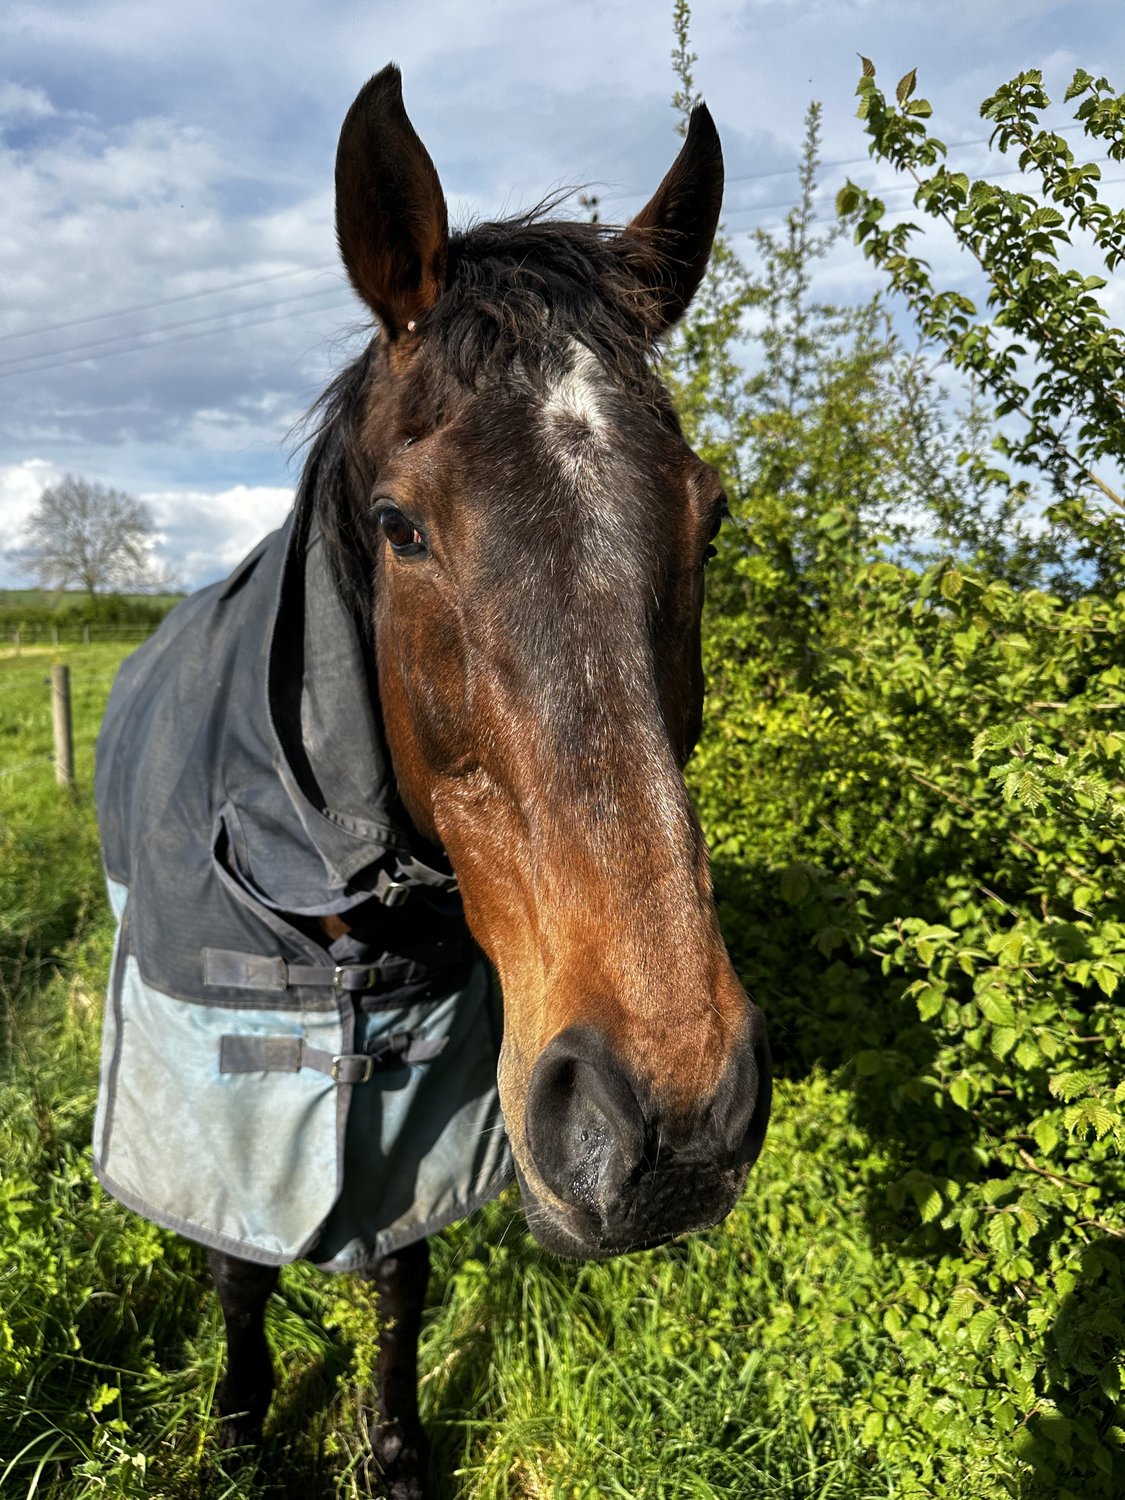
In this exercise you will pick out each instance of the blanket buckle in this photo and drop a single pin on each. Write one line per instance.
(355, 978)
(340, 1061)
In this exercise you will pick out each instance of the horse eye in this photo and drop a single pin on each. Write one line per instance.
(719, 515)
(405, 538)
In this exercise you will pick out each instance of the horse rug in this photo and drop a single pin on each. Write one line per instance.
(264, 1090)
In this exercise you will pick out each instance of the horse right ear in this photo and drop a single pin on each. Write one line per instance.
(391, 219)
(676, 228)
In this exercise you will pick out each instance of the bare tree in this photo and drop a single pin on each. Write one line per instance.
(84, 535)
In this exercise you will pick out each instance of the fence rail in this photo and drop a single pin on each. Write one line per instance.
(72, 634)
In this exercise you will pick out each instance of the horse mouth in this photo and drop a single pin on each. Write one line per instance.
(577, 1234)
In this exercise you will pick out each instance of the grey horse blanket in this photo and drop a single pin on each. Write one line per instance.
(263, 1090)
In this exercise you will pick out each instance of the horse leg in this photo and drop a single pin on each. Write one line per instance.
(247, 1385)
(397, 1440)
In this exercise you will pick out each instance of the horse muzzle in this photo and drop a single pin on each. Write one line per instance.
(612, 1170)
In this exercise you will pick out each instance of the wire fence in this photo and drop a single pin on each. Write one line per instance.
(73, 634)
(27, 765)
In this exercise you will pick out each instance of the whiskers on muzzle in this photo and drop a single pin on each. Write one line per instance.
(610, 1170)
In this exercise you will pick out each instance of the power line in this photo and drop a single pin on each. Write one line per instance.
(13, 366)
(157, 338)
(825, 166)
(898, 187)
(58, 364)
(235, 286)
(123, 312)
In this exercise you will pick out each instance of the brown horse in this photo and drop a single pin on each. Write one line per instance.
(524, 532)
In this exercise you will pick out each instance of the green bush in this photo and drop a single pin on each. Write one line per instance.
(915, 794)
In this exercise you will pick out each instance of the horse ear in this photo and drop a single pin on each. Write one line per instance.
(677, 225)
(391, 220)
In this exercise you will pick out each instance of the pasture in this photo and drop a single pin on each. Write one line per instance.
(713, 1367)
(759, 1359)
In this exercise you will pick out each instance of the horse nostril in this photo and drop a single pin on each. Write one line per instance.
(741, 1107)
(585, 1130)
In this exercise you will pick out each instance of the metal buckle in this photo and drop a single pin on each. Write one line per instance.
(369, 971)
(395, 892)
(368, 1067)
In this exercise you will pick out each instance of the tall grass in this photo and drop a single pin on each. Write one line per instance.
(712, 1367)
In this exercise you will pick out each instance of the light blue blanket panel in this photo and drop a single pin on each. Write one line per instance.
(274, 1166)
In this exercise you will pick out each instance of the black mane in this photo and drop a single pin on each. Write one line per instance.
(517, 292)
(518, 288)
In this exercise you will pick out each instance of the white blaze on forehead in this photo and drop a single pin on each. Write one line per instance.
(575, 399)
(608, 655)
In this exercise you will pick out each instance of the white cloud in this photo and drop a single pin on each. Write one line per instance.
(161, 153)
(21, 485)
(200, 534)
(203, 535)
(18, 102)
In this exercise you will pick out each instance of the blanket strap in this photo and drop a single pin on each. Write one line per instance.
(225, 968)
(289, 1054)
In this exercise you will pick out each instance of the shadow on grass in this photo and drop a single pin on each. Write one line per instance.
(1083, 1359)
(828, 1009)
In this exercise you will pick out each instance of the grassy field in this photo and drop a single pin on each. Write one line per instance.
(743, 1363)
(17, 599)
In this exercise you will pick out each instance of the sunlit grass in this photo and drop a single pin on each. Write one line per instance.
(726, 1365)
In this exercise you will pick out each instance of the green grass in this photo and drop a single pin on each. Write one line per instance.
(19, 599)
(742, 1363)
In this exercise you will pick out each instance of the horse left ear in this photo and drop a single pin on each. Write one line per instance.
(677, 226)
(391, 218)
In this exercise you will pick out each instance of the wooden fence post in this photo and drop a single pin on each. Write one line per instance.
(60, 716)
(85, 634)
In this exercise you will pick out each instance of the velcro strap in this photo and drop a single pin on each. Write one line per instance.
(225, 969)
(289, 1054)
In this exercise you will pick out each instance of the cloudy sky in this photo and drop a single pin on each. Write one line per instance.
(170, 300)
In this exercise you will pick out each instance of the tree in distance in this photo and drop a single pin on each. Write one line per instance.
(85, 535)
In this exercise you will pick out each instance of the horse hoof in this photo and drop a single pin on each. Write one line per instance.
(240, 1439)
(399, 1461)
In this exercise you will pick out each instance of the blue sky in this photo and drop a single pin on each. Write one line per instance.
(182, 156)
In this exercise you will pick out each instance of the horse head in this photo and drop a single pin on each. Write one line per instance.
(529, 529)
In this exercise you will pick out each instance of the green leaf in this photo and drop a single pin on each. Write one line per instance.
(104, 1395)
(996, 1007)
(1106, 978)
(962, 1302)
(951, 584)
(1003, 1040)
(1001, 1235)
(930, 1002)
(906, 85)
(981, 1326)
(928, 1200)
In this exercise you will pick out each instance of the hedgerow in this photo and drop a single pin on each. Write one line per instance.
(915, 791)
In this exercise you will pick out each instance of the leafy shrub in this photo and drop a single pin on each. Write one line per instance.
(916, 800)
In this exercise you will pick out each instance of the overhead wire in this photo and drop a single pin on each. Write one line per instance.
(142, 307)
(829, 166)
(14, 365)
(57, 364)
(898, 187)
(236, 286)
(232, 320)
